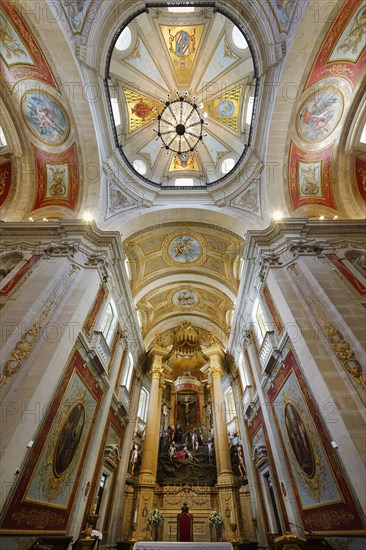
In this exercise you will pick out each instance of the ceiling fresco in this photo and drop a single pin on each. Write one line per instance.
(45, 119)
(184, 270)
(198, 57)
(326, 97)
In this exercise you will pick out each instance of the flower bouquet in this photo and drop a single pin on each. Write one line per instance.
(154, 519)
(216, 522)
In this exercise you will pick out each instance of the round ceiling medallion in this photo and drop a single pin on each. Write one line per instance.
(45, 117)
(320, 114)
(185, 298)
(184, 249)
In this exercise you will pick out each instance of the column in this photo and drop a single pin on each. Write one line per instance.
(225, 481)
(147, 478)
(221, 437)
(152, 429)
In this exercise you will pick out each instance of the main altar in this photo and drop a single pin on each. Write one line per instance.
(189, 453)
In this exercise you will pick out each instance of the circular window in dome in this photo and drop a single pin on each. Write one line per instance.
(227, 165)
(140, 166)
(238, 39)
(124, 40)
(178, 128)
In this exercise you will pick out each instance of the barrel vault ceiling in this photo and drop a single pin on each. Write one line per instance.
(184, 272)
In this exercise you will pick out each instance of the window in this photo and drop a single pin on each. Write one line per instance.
(2, 138)
(128, 269)
(143, 404)
(184, 181)
(124, 40)
(227, 165)
(363, 135)
(181, 10)
(101, 488)
(259, 321)
(230, 405)
(242, 373)
(248, 118)
(140, 166)
(127, 372)
(115, 109)
(109, 322)
(239, 39)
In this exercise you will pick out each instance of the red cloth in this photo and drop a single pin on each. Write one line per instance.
(180, 455)
(185, 528)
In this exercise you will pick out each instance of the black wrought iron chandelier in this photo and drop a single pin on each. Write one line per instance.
(180, 125)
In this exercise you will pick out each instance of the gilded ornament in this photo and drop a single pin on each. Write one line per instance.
(330, 519)
(339, 69)
(24, 347)
(345, 354)
(216, 371)
(156, 372)
(38, 519)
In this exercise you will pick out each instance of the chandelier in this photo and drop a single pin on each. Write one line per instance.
(180, 125)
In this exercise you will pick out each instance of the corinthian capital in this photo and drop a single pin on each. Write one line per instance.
(216, 371)
(156, 371)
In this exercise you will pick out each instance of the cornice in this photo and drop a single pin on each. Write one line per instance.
(101, 250)
(303, 227)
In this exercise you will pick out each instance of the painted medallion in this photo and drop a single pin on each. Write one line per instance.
(45, 117)
(186, 298)
(320, 114)
(184, 249)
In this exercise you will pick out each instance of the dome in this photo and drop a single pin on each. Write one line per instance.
(181, 96)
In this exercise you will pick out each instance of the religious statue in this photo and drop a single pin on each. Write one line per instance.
(165, 416)
(178, 434)
(241, 463)
(187, 403)
(209, 414)
(210, 450)
(135, 459)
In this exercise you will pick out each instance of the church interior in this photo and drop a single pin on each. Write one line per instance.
(183, 274)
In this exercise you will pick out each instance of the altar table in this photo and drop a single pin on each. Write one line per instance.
(147, 545)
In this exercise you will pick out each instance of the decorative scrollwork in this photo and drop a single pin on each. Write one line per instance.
(345, 354)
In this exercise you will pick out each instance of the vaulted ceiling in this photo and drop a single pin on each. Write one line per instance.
(64, 157)
(185, 271)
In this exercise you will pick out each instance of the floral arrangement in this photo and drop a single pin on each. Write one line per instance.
(155, 517)
(215, 518)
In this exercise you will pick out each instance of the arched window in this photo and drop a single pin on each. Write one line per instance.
(127, 372)
(109, 322)
(143, 404)
(230, 405)
(259, 321)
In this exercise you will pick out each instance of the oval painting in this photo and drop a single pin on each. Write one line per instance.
(69, 439)
(320, 114)
(185, 298)
(299, 440)
(184, 249)
(45, 117)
